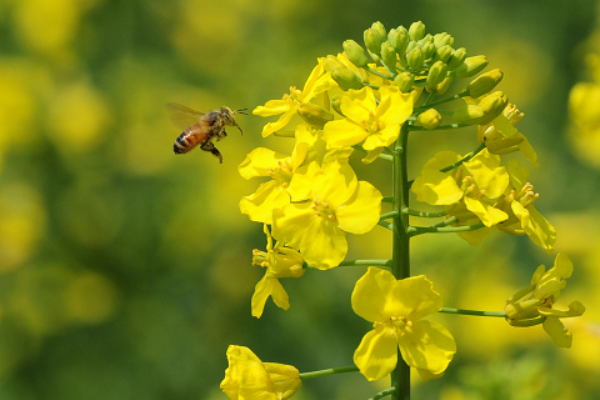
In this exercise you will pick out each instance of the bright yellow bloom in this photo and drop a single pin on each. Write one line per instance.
(478, 183)
(524, 219)
(534, 305)
(280, 262)
(281, 168)
(318, 82)
(501, 137)
(376, 122)
(248, 378)
(337, 203)
(396, 308)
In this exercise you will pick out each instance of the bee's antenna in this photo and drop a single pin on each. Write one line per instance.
(241, 111)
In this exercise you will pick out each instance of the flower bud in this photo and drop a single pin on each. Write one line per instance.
(416, 30)
(415, 58)
(336, 103)
(429, 119)
(443, 39)
(346, 79)
(388, 55)
(469, 114)
(457, 58)
(314, 115)
(437, 73)
(492, 106)
(484, 83)
(405, 81)
(356, 54)
(331, 62)
(399, 39)
(428, 49)
(443, 53)
(380, 29)
(442, 87)
(471, 66)
(373, 41)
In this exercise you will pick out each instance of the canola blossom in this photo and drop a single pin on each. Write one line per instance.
(397, 308)
(535, 304)
(369, 100)
(248, 378)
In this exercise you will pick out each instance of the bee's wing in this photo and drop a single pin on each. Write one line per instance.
(182, 116)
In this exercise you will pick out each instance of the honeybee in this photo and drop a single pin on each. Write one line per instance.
(202, 128)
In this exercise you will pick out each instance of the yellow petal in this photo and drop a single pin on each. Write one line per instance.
(413, 298)
(323, 244)
(377, 354)
(371, 293)
(259, 205)
(259, 162)
(428, 347)
(436, 188)
(488, 214)
(561, 336)
(342, 133)
(361, 213)
(266, 287)
(279, 124)
(272, 107)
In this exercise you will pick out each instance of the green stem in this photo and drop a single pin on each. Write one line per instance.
(388, 215)
(326, 372)
(384, 393)
(379, 74)
(451, 310)
(424, 214)
(388, 199)
(401, 267)
(386, 225)
(419, 230)
(442, 101)
(379, 263)
(439, 127)
(464, 159)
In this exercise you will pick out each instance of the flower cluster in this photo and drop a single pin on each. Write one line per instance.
(368, 101)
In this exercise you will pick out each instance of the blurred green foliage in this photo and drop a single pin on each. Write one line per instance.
(125, 270)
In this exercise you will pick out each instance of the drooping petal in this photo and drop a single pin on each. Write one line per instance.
(266, 287)
(377, 354)
(561, 336)
(280, 123)
(371, 293)
(428, 346)
(488, 214)
(272, 107)
(361, 213)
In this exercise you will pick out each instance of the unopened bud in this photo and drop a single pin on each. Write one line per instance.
(443, 53)
(415, 58)
(336, 103)
(398, 37)
(356, 54)
(469, 114)
(441, 88)
(405, 81)
(416, 30)
(428, 48)
(331, 62)
(471, 66)
(437, 73)
(457, 58)
(492, 106)
(314, 115)
(429, 119)
(388, 55)
(380, 29)
(373, 41)
(346, 79)
(484, 83)
(443, 39)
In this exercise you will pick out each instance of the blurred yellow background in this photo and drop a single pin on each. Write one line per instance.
(125, 270)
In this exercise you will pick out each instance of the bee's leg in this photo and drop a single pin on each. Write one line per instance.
(237, 126)
(210, 146)
(221, 134)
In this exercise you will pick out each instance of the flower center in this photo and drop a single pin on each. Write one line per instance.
(323, 209)
(402, 325)
(372, 124)
(526, 196)
(282, 174)
(294, 95)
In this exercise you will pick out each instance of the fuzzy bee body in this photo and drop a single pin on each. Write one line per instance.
(208, 127)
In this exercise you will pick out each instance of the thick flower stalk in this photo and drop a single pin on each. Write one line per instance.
(535, 304)
(397, 308)
(248, 378)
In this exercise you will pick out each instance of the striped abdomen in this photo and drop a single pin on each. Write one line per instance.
(190, 138)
